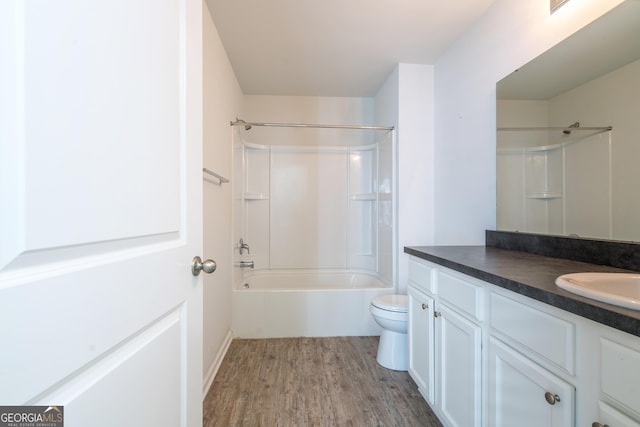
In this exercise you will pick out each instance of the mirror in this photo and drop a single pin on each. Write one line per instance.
(560, 170)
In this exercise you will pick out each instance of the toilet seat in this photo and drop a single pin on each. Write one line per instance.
(395, 303)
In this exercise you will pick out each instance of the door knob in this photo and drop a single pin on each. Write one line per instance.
(197, 265)
(551, 398)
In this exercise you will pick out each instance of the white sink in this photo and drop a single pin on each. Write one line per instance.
(621, 289)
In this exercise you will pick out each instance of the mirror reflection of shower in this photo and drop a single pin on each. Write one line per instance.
(313, 197)
(554, 180)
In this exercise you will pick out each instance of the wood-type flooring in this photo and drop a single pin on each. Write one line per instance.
(312, 382)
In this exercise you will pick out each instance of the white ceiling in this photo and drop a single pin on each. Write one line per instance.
(334, 47)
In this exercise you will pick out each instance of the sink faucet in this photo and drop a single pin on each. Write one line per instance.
(242, 246)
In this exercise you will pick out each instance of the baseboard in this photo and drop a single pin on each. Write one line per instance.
(215, 365)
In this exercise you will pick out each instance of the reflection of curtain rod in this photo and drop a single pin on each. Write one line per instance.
(248, 125)
(603, 128)
(222, 179)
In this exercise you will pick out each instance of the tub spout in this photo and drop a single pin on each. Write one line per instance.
(245, 264)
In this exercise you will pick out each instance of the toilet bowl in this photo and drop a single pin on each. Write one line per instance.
(391, 313)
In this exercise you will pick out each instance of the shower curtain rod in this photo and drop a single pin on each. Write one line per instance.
(602, 128)
(221, 179)
(248, 125)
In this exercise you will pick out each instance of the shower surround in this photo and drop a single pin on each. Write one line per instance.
(316, 208)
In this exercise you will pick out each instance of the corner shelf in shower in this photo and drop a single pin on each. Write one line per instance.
(256, 196)
(371, 197)
(367, 197)
(544, 196)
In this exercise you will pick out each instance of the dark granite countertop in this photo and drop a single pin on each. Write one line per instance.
(533, 276)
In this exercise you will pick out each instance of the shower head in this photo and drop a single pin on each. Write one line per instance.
(575, 125)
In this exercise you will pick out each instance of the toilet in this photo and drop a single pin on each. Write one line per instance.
(391, 313)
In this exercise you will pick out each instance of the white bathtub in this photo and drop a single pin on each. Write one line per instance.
(293, 303)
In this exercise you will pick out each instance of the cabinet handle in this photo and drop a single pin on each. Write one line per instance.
(597, 424)
(424, 306)
(437, 314)
(551, 398)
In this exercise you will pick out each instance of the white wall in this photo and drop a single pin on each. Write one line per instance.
(222, 103)
(510, 34)
(308, 209)
(406, 101)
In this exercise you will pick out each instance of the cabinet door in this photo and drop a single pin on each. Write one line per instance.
(517, 391)
(619, 361)
(459, 368)
(421, 343)
(613, 418)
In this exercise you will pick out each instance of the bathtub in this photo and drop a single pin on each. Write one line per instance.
(296, 303)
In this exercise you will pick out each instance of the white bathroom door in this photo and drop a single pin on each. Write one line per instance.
(100, 209)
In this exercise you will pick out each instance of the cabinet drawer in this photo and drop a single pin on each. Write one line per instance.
(421, 275)
(461, 294)
(542, 334)
(619, 373)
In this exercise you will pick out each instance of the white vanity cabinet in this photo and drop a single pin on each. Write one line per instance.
(485, 356)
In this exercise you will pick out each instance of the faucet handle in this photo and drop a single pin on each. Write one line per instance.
(242, 246)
